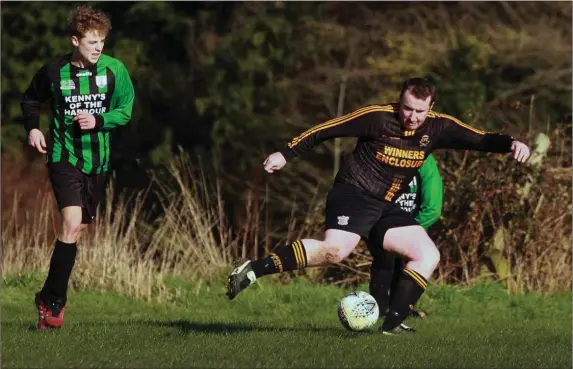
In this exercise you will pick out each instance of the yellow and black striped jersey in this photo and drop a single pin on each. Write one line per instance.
(387, 155)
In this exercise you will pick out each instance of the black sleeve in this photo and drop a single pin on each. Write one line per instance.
(457, 135)
(35, 95)
(365, 122)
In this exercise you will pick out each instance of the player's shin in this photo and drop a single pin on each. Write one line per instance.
(283, 259)
(409, 289)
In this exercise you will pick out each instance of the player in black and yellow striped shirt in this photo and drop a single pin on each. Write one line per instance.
(91, 93)
(393, 142)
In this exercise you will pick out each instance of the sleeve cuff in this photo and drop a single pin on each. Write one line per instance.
(31, 124)
(99, 121)
(288, 153)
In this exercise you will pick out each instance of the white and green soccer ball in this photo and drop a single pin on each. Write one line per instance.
(358, 311)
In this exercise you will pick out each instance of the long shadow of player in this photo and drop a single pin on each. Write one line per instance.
(186, 326)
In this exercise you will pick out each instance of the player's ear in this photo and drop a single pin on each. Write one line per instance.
(75, 41)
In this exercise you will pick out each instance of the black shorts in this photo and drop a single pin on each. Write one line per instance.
(72, 187)
(350, 209)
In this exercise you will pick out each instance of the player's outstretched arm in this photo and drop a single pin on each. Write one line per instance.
(458, 135)
(364, 122)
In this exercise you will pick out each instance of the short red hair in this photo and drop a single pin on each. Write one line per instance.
(84, 19)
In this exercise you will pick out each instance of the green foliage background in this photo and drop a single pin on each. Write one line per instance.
(226, 79)
(230, 82)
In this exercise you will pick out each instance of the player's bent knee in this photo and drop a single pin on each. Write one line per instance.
(336, 253)
(432, 256)
(332, 255)
(425, 251)
(337, 245)
(72, 225)
(426, 260)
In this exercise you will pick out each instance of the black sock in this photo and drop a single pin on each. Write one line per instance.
(398, 271)
(410, 288)
(61, 265)
(284, 258)
(381, 278)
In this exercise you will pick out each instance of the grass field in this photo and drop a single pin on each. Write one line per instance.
(285, 326)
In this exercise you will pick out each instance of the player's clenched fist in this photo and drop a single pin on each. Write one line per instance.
(86, 121)
(274, 162)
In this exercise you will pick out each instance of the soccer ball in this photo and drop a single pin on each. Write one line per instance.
(358, 311)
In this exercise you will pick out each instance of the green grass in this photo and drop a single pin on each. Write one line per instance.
(285, 326)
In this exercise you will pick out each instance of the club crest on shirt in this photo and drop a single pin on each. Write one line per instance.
(101, 81)
(67, 84)
(343, 220)
(424, 141)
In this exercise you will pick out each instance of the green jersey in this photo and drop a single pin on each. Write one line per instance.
(425, 195)
(103, 90)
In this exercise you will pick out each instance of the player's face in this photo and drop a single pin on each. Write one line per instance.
(89, 46)
(413, 111)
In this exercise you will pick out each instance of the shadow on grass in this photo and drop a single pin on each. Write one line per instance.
(186, 327)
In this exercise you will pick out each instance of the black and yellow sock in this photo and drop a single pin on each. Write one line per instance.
(409, 289)
(284, 258)
(61, 265)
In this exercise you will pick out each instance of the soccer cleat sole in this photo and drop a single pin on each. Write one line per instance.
(400, 330)
(234, 281)
(42, 325)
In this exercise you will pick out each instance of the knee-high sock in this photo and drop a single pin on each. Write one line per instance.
(381, 279)
(398, 270)
(283, 259)
(61, 264)
(410, 288)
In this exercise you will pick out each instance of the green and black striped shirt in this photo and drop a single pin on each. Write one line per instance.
(103, 90)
